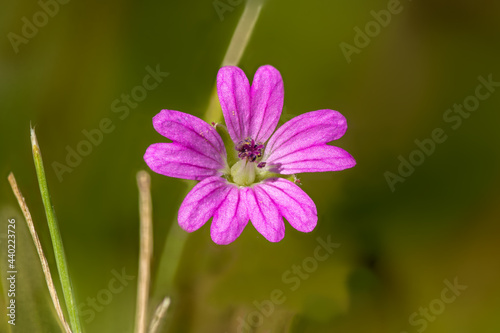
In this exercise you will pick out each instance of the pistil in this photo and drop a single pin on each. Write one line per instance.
(243, 173)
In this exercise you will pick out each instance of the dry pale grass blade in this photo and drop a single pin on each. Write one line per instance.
(38, 245)
(159, 315)
(146, 250)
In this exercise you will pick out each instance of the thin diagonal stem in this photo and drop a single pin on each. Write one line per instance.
(55, 235)
(242, 33)
(146, 249)
(239, 41)
(177, 237)
(39, 249)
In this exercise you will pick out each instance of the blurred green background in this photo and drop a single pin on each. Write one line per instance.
(398, 250)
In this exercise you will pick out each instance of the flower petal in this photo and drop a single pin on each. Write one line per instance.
(264, 214)
(233, 89)
(267, 102)
(201, 203)
(192, 133)
(300, 144)
(309, 128)
(174, 160)
(292, 202)
(230, 219)
(319, 158)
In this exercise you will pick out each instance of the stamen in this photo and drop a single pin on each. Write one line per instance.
(250, 150)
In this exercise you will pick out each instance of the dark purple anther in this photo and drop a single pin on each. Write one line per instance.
(249, 150)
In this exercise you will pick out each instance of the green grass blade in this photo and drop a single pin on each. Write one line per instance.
(55, 235)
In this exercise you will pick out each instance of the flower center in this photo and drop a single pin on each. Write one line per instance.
(249, 150)
(244, 171)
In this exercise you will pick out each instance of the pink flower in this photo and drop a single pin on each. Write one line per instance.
(244, 176)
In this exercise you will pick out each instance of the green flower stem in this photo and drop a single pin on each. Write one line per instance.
(62, 266)
(177, 237)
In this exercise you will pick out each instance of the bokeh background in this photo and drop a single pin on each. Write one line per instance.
(396, 248)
